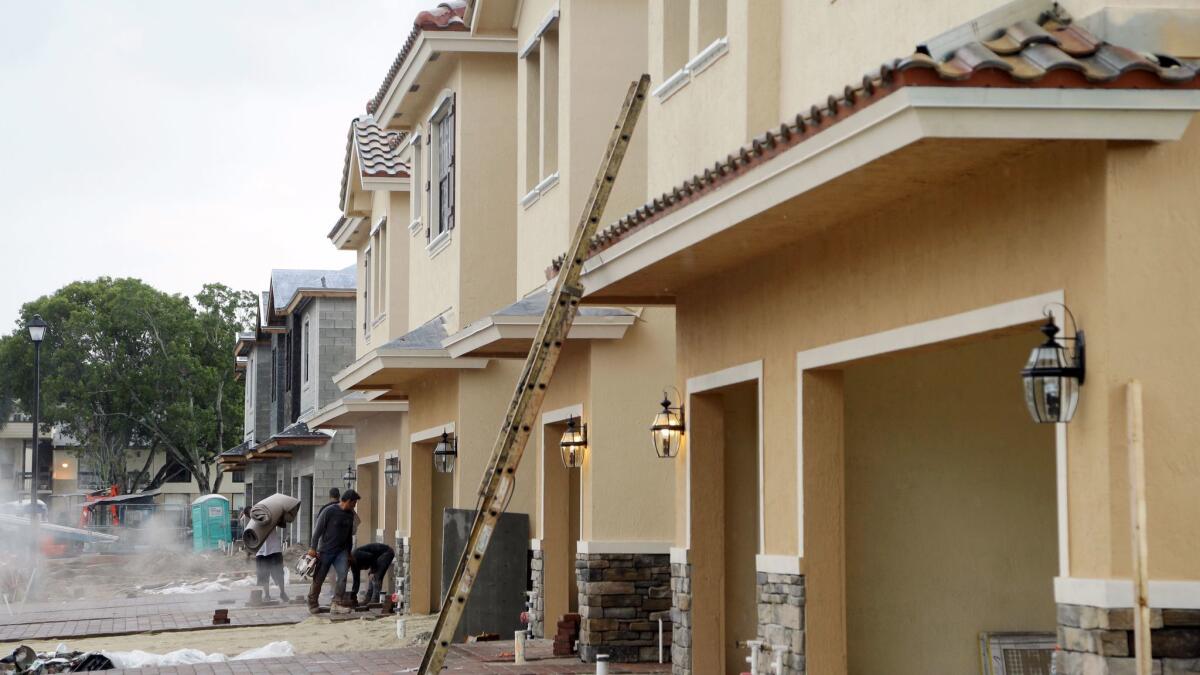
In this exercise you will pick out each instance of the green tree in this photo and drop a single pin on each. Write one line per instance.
(125, 365)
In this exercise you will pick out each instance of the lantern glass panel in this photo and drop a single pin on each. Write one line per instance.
(444, 457)
(1051, 389)
(392, 472)
(572, 445)
(667, 431)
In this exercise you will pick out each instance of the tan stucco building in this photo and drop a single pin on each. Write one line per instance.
(857, 286)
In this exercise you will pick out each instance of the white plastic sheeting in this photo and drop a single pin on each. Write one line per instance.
(183, 657)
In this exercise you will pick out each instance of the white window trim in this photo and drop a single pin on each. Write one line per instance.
(698, 64)
(439, 112)
(368, 292)
(538, 190)
(416, 185)
(438, 244)
(307, 347)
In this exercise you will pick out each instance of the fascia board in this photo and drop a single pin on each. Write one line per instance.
(427, 44)
(303, 294)
(344, 239)
(382, 184)
(900, 119)
(496, 328)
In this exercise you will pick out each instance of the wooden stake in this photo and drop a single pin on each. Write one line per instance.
(1137, 510)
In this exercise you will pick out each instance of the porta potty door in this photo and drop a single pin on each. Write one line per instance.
(210, 522)
(198, 532)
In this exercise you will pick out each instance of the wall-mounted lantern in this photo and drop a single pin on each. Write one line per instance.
(350, 476)
(667, 431)
(445, 454)
(391, 471)
(573, 443)
(1052, 376)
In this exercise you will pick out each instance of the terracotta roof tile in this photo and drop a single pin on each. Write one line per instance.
(378, 152)
(1054, 53)
(447, 16)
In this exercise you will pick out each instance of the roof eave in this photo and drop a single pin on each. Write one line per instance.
(468, 342)
(904, 117)
(354, 377)
(429, 43)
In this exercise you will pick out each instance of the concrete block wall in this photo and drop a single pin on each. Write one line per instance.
(261, 421)
(332, 333)
(263, 476)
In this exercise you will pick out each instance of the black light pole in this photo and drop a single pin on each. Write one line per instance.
(37, 332)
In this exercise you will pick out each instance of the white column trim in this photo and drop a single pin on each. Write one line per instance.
(369, 459)
(1118, 593)
(744, 372)
(629, 547)
(680, 556)
(973, 322)
(778, 564)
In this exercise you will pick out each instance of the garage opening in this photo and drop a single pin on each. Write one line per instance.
(724, 474)
(950, 511)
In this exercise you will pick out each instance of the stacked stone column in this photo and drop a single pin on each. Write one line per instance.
(1099, 641)
(781, 620)
(403, 571)
(621, 599)
(537, 609)
(681, 618)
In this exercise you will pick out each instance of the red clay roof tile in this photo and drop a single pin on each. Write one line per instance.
(447, 16)
(378, 151)
(1054, 54)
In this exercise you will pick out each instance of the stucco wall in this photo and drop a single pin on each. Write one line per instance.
(949, 507)
(377, 436)
(943, 251)
(593, 78)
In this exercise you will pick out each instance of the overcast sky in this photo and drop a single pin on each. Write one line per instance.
(179, 142)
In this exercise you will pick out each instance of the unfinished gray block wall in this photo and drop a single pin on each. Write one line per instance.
(258, 394)
(331, 331)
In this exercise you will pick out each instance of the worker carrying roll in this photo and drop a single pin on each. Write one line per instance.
(274, 511)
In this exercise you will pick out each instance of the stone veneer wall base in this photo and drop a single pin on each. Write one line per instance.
(1099, 641)
(537, 609)
(622, 597)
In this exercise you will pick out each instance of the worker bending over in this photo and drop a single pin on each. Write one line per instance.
(332, 539)
(375, 559)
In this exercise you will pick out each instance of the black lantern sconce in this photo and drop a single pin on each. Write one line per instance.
(667, 431)
(1052, 376)
(350, 476)
(391, 471)
(573, 443)
(445, 454)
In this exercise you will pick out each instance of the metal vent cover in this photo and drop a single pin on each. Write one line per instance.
(1017, 653)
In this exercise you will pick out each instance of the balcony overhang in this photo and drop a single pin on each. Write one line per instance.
(353, 408)
(395, 365)
(349, 233)
(509, 332)
(915, 136)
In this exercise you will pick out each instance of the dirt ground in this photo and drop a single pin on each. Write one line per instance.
(126, 575)
(312, 635)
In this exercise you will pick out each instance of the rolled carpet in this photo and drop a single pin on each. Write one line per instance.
(274, 511)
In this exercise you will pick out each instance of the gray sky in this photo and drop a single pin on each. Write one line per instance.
(179, 142)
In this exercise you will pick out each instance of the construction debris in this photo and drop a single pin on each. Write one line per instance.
(25, 661)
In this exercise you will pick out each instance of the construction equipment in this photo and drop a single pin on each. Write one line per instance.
(499, 479)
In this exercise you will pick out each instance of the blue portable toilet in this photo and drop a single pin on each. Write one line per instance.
(210, 523)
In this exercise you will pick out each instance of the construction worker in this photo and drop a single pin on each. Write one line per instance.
(375, 559)
(335, 497)
(332, 540)
(268, 562)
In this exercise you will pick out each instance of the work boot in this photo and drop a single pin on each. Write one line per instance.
(314, 596)
(283, 596)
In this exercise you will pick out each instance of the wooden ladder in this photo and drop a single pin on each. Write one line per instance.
(499, 479)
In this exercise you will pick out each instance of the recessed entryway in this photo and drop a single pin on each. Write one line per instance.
(560, 520)
(723, 455)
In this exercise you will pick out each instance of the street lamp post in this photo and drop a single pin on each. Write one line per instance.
(37, 332)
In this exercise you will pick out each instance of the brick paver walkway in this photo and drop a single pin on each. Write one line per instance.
(119, 616)
(483, 658)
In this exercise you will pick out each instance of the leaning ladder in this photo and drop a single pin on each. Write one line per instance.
(499, 479)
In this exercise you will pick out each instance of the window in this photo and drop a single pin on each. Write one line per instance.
(274, 373)
(415, 170)
(305, 340)
(367, 314)
(693, 38)
(238, 475)
(379, 281)
(541, 109)
(441, 204)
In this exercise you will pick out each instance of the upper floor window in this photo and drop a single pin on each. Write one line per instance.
(368, 297)
(274, 373)
(306, 340)
(417, 173)
(379, 275)
(693, 36)
(441, 169)
(540, 57)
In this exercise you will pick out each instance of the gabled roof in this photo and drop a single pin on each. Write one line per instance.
(286, 284)
(377, 150)
(1051, 53)
(447, 16)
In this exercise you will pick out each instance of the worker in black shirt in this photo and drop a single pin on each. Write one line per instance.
(332, 540)
(375, 559)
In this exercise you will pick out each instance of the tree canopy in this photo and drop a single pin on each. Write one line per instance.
(125, 365)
